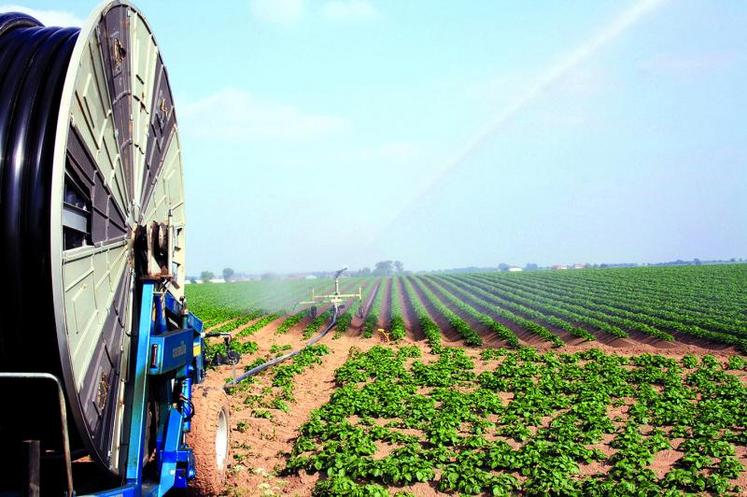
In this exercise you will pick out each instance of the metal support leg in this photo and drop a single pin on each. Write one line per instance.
(136, 450)
(168, 464)
(6, 376)
(33, 460)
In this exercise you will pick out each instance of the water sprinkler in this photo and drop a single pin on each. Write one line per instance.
(335, 298)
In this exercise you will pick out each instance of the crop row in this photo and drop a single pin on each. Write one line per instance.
(583, 306)
(658, 305)
(396, 322)
(501, 330)
(459, 287)
(469, 335)
(371, 322)
(572, 313)
(618, 317)
(702, 302)
(430, 329)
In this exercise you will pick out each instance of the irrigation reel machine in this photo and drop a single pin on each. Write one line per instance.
(99, 355)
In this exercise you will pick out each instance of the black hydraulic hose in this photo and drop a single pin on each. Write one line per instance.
(282, 358)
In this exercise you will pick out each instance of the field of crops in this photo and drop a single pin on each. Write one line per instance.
(539, 424)
(697, 305)
(580, 382)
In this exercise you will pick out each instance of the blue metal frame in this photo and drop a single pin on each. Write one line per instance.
(165, 355)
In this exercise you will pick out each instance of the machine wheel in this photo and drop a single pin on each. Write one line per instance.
(210, 440)
(232, 357)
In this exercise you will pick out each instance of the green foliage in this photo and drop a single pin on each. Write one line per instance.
(262, 413)
(397, 323)
(343, 323)
(689, 361)
(291, 321)
(469, 335)
(736, 362)
(278, 403)
(277, 349)
(449, 426)
(316, 323)
(244, 347)
(371, 322)
(429, 328)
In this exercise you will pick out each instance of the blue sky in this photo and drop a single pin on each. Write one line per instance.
(444, 134)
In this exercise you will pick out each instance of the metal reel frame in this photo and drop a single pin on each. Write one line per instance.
(169, 361)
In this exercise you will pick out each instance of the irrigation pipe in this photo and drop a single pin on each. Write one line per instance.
(282, 358)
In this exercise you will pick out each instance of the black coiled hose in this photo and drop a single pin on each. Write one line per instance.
(33, 64)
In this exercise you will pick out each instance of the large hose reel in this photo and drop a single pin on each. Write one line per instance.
(91, 199)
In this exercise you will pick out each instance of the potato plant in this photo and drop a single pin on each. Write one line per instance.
(526, 425)
(396, 323)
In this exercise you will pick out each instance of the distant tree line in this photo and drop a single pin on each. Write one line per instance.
(388, 268)
(393, 267)
(205, 276)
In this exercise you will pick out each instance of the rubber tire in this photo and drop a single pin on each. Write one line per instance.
(232, 357)
(209, 404)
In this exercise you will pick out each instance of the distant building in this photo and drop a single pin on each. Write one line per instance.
(514, 269)
(580, 266)
(217, 280)
(558, 267)
(310, 277)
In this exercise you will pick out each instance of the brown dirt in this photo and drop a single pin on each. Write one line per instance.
(422, 490)
(665, 461)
